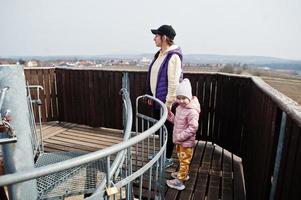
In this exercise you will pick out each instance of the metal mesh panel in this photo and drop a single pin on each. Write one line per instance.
(77, 180)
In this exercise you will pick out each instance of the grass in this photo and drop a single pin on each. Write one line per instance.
(289, 87)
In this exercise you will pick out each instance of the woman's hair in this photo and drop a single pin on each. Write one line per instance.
(168, 40)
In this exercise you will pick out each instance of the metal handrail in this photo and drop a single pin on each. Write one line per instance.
(12, 138)
(2, 96)
(139, 138)
(127, 134)
(38, 102)
(37, 140)
(3, 91)
(74, 162)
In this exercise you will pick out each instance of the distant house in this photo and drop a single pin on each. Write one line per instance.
(85, 63)
(32, 63)
(66, 64)
(144, 61)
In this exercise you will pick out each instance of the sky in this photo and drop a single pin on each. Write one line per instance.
(99, 27)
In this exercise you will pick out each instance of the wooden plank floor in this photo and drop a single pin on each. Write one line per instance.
(74, 137)
(214, 173)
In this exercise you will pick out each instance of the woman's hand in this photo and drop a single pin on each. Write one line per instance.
(8, 118)
(168, 104)
(149, 102)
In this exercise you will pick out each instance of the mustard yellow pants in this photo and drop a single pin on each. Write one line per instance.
(184, 156)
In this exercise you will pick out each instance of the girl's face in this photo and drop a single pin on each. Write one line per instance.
(158, 40)
(182, 100)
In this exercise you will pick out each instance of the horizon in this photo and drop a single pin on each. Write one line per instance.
(142, 54)
(211, 27)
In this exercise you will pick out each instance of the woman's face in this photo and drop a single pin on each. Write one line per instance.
(158, 40)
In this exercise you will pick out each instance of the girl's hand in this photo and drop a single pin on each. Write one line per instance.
(170, 114)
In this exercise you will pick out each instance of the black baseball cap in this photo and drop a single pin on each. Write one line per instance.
(165, 30)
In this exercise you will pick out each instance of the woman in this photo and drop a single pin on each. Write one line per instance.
(165, 73)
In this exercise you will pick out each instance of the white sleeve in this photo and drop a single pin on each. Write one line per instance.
(173, 73)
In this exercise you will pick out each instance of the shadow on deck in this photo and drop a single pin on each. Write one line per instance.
(215, 173)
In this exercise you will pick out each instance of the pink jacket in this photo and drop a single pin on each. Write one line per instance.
(186, 123)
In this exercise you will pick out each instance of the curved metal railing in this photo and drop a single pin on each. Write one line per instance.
(5, 126)
(130, 176)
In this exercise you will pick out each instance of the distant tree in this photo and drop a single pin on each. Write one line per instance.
(244, 67)
(21, 61)
(238, 70)
(256, 73)
(227, 69)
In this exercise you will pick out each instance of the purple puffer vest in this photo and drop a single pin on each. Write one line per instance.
(162, 80)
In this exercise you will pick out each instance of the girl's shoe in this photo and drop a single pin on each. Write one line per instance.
(175, 175)
(176, 184)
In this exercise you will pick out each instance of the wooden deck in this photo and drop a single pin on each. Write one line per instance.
(214, 172)
(74, 137)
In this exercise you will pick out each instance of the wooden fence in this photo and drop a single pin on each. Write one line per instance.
(260, 142)
(90, 97)
(222, 99)
(272, 144)
(239, 113)
(289, 180)
(46, 78)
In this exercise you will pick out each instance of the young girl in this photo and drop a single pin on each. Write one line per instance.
(185, 126)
